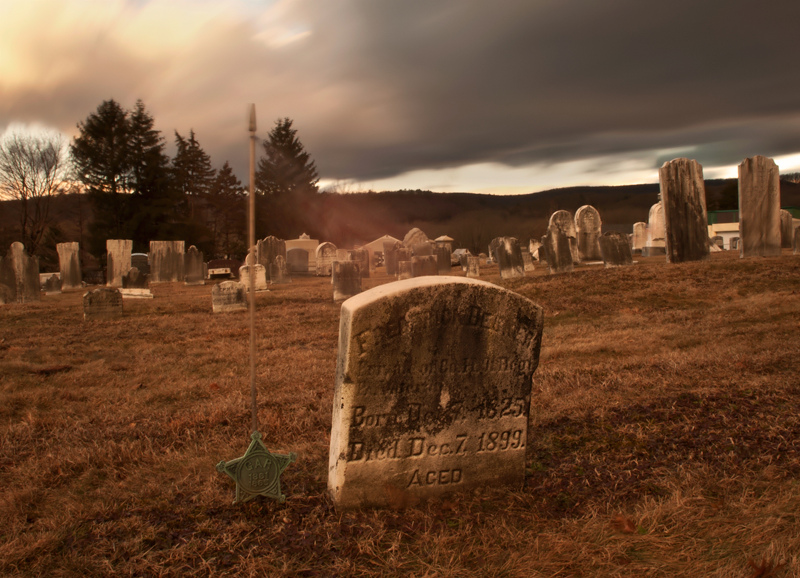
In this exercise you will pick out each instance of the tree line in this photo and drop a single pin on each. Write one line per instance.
(118, 162)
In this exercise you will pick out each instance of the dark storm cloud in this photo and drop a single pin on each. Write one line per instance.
(378, 88)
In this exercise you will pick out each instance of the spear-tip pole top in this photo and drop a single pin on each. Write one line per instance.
(252, 118)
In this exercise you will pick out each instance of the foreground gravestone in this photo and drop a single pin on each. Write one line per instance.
(326, 255)
(558, 243)
(228, 296)
(787, 229)
(69, 265)
(19, 273)
(683, 196)
(655, 244)
(102, 303)
(193, 266)
(346, 280)
(118, 260)
(587, 230)
(432, 393)
(759, 208)
(615, 249)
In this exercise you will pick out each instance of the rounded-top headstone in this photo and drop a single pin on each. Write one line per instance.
(433, 389)
(414, 237)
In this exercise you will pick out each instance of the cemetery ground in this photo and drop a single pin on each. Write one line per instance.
(664, 436)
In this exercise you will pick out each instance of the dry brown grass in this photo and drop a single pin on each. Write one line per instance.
(664, 441)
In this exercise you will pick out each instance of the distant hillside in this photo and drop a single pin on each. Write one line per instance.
(472, 220)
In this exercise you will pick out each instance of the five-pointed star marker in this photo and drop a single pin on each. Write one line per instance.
(257, 472)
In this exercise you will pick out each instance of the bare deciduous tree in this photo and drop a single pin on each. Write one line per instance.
(34, 168)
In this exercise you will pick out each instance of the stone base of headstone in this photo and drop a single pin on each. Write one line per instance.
(228, 296)
(136, 293)
(102, 303)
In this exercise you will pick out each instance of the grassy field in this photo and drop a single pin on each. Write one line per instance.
(664, 436)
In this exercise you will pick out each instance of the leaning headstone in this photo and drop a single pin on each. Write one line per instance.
(683, 196)
(425, 265)
(433, 390)
(166, 261)
(655, 243)
(326, 255)
(588, 227)
(639, 238)
(260, 274)
(228, 296)
(102, 303)
(473, 267)
(615, 249)
(69, 265)
(442, 253)
(193, 266)
(405, 270)
(52, 284)
(278, 272)
(118, 260)
(759, 208)
(346, 280)
(508, 255)
(787, 229)
(558, 243)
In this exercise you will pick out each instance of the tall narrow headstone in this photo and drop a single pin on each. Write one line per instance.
(433, 391)
(118, 260)
(558, 242)
(615, 249)
(102, 303)
(639, 237)
(346, 280)
(19, 273)
(587, 227)
(193, 266)
(787, 229)
(442, 253)
(759, 208)
(683, 196)
(656, 232)
(473, 267)
(326, 255)
(69, 265)
(390, 253)
(228, 296)
(166, 261)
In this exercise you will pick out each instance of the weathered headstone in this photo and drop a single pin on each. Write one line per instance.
(405, 270)
(269, 248)
(414, 237)
(508, 255)
(432, 393)
(52, 284)
(639, 238)
(424, 265)
(656, 232)
(615, 249)
(527, 261)
(718, 241)
(473, 266)
(558, 243)
(69, 265)
(787, 229)
(166, 261)
(326, 255)
(228, 296)
(141, 262)
(759, 208)
(260, 277)
(346, 280)
(19, 272)
(278, 272)
(683, 196)
(588, 227)
(136, 285)
(390, 257)
(297, 260)
(102, 303)
(361, 256)
(193, 266)
(735, 243)
(543, 251)
(118, 260)
(442, 253)
(565, 222)
(533, 248)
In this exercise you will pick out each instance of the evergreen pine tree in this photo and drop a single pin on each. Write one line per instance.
(229, 215)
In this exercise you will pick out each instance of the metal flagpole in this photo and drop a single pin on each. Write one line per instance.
(252, 267)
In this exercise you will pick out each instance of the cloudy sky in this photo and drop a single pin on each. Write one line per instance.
(449, 95)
